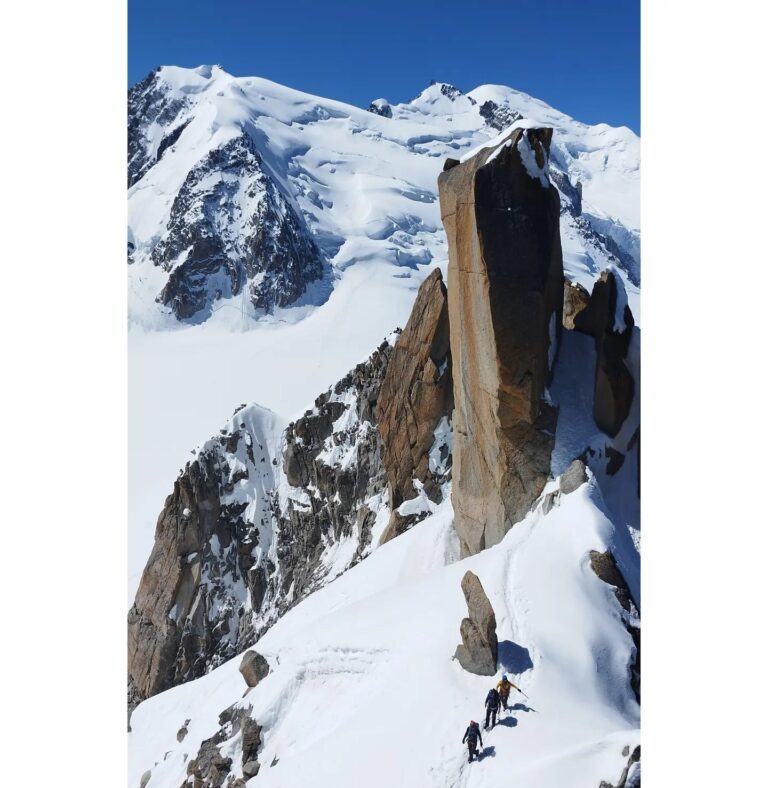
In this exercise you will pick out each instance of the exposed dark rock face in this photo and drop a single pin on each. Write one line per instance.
(254, 667)
(231, 228)
(575, 301)
(149, 102)
(570, 194)
(204, 580)
(451, 91)
(447, 90)
(630, 776)
(498, 117)
(575, 475)
(182, 732)
(380, 107)
(170, 139)
(416, 394)
(614, 385)
(505, 297)
(479, 648)
(230, 556)
(232, 231)
(570, 480)
(211, 769)
(336, 450)
(605, 567)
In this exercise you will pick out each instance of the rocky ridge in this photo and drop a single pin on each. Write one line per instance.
(416, 397)
(204, 593)
(335, 482)
(257, 521)
(230, 229)
(151, 105)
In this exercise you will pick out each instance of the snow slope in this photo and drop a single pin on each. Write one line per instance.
(363, 690)
(366, 186)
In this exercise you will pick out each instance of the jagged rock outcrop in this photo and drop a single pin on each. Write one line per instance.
(417, 393)
(450, 91)
(204, 580)
(605, 567)
(570, 480)
(505, 297)
(380, 107)
(242, 539)
(498, 117)
(253, 667)
(210, 768)
(333, 461)
(630, 776)
(231, 228)
(608, 318)
(575, 475)
(151, 105)
(479, 649)
(575, 301)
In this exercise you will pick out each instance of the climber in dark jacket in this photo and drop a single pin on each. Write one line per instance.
(491, 707)
(471, 735)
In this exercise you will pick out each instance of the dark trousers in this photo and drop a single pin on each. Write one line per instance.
(472, 746)
(490, 714)
(504, 699)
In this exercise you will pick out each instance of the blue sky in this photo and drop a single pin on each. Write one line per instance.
(580, 56)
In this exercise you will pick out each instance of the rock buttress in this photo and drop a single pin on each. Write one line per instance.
(505, 302)
(231, 555)
(416, 394)
(608, 318)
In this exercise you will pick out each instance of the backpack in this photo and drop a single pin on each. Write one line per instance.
(473, 732)
(492, 699)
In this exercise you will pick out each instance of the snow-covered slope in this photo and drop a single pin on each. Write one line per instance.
(363, 690)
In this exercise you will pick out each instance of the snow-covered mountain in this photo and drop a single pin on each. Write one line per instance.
(253, 196)
(274, 239)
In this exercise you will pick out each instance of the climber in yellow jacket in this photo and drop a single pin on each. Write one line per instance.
(504, 687)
